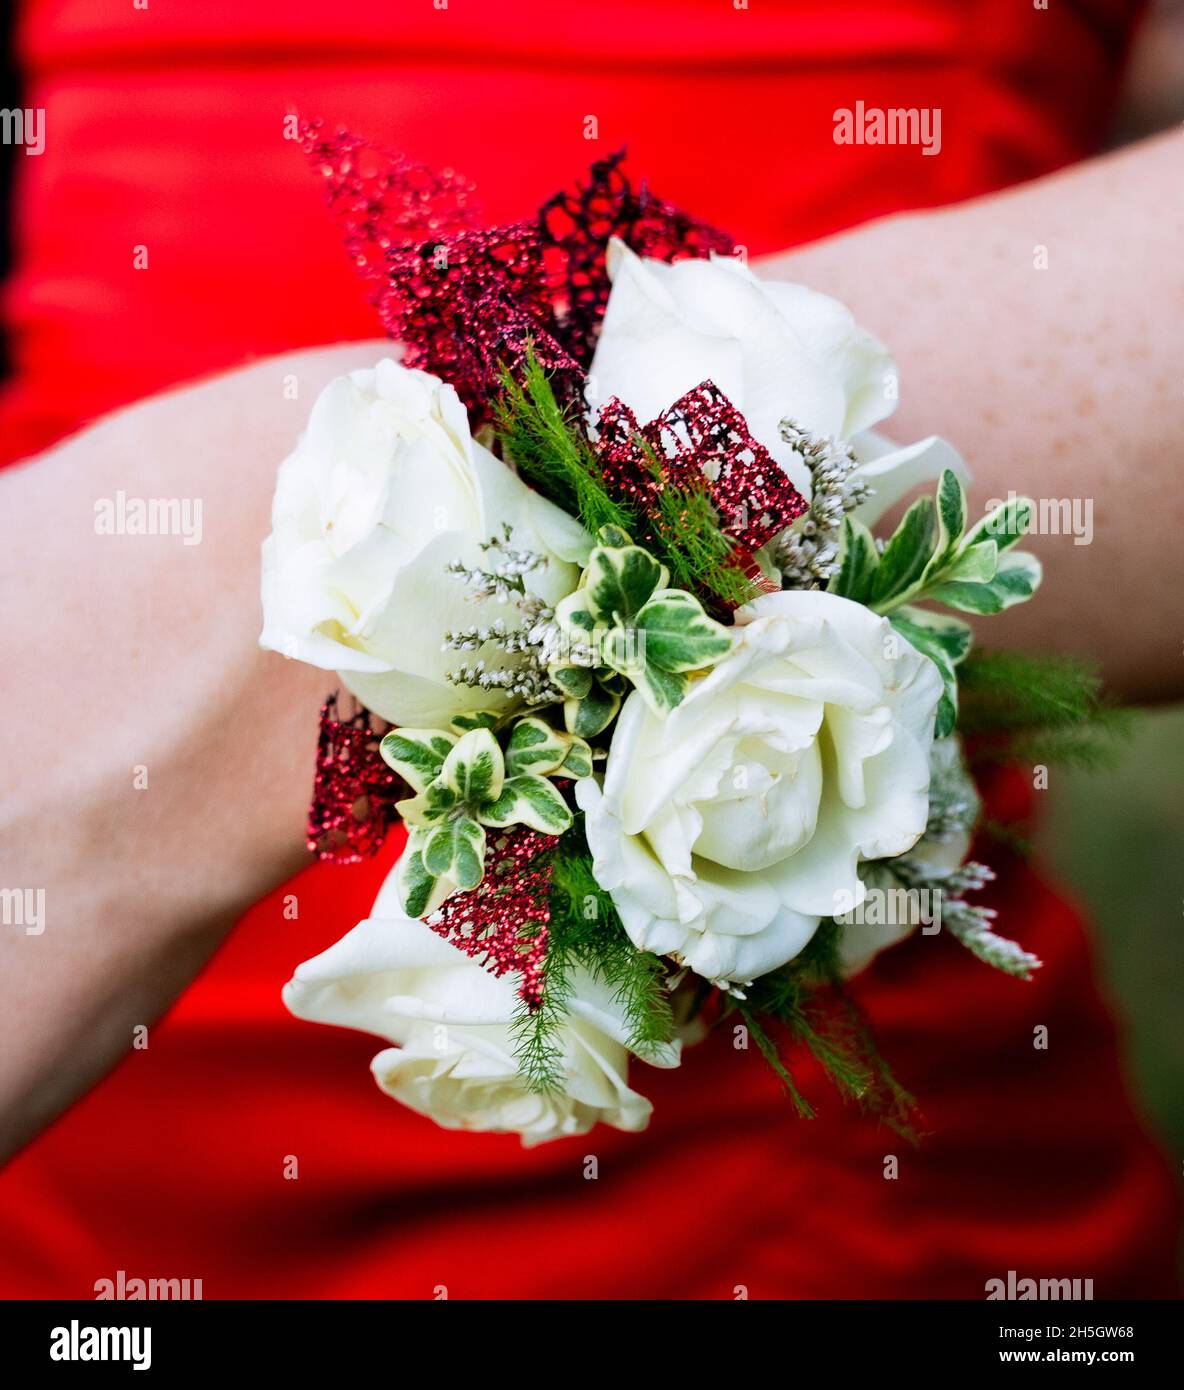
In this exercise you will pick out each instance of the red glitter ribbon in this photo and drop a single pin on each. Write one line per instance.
(466, 301)
(354, 790)
(701, 441)
(487, 922)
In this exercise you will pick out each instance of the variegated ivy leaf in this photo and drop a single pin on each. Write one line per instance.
(945, 641)
(1004, 525)
(574, 681)
(858, 560)
(662, 690)
(576, 615)
(529, 800)
(905, 556)
(619, 581)
(640, 629)
(616, 584)
(593, 713)
(577, 762)
(678, 635)
(614, 536)
(475, 768)
(951, 522)
(476, 719)
(429, 806)
(1016, 579)
(974, 565)
(417, 755)
(535, 746)
(415, 884)
(455, 850)
(930, 558)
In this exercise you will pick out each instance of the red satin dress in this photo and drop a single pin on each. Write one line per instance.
(165, 128)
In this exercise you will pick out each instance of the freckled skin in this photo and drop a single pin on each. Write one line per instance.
(1066, 382)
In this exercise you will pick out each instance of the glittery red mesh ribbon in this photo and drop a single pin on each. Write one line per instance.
(701, 436)
(575, 226)
(385, 201)
(466, 301)
(354, 790)
(487, 922)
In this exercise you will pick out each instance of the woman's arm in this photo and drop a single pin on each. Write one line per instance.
(157, 765)
(1065, 383)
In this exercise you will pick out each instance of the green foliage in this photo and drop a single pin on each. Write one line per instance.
(551, 450)
(688, 540)
(549, 446)
(945, 641)
(591, 697)
(1046, 709)
(586, 933)
(637, 627)
(808, 1000)
(931, 557)
(467, 782)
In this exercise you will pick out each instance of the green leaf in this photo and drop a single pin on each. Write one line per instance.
(619, 581)
(577, 616)
(975, 565)
(429, 806)
(1016, 579)
(951, 635)
(1005, 525)
(678, 635)
(529, 800)
(574, 681)
(1018, 576)
(662, 690)
(417, 755)
(415, 884)
(858, 561)
(474, 769)
(593, 714)
(456, 850)
(578, 762)
(951, 522)
(906, 554)
(478, 719)
(945, 641)
(614, 536)
(535, 746)
(548, 444)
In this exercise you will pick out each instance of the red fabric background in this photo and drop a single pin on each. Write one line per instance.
(164, 129)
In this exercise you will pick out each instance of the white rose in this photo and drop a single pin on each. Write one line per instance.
(451, 1021)
(727, 830)
(777, 350)
(386, 487)
(937, 854)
